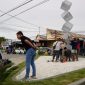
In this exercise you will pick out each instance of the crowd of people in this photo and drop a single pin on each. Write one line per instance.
(68, 51)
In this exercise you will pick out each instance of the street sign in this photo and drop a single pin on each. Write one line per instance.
(67, 16)
(67, 27)
(66, 5)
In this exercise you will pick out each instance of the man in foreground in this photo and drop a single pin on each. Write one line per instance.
(30, 54)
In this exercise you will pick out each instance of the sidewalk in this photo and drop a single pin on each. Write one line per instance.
(49, 69)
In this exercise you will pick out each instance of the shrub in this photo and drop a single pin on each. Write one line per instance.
(4, 64)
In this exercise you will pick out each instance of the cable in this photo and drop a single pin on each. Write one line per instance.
(32, 7)
(79, 31)
(18, 26)
(21, 20)
(25, 10)
(16, 8)
(41, 35)
(16, 30)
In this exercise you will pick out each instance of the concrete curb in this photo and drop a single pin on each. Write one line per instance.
(52, 77)
(78, 82)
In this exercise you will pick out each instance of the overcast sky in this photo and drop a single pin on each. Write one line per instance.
(47, 15)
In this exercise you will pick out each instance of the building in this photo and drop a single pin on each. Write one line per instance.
(52, 35)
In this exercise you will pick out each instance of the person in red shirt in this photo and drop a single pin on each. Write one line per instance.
(78, 47)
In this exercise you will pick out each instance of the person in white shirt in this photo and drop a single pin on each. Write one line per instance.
(56, 50)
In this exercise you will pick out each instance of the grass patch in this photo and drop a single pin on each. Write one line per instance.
(64, 79)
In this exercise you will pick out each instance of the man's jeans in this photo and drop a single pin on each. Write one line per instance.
(56, 54)
(30, 58)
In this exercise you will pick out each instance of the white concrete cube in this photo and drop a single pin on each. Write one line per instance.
(67, 27)
(65, 36)
(67, 16)
(66, 5)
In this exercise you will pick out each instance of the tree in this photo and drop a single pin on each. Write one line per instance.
(2, 39)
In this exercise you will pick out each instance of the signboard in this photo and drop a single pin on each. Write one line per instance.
(67, 27)
(54, 34)
(67, 16)
(51, 34)
(66, 5)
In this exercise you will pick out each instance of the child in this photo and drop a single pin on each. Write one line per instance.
(67, 54)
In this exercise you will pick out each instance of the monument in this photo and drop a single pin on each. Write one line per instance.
(67, 16)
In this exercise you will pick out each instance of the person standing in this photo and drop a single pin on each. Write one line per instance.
(78, 47)
(56, 50)
(30, 54)
(62, 57)
(67, 54)
(74, 50)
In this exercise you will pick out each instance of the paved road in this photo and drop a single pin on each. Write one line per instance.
(48, 69)
(15, 58)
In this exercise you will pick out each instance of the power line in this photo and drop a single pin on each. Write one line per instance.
(22, 27)
(36, 35)
(16, 7)
(79, 31)
(25, 10)
(18, 26)
(33, 7)
(21, 20)
(15, 29)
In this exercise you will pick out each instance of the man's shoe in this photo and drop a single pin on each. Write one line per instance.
(52, 60)
(27, 79)
(33, 77)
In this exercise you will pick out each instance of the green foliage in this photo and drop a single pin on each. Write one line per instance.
(3, 72)
(2, 39)
(40, 52)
